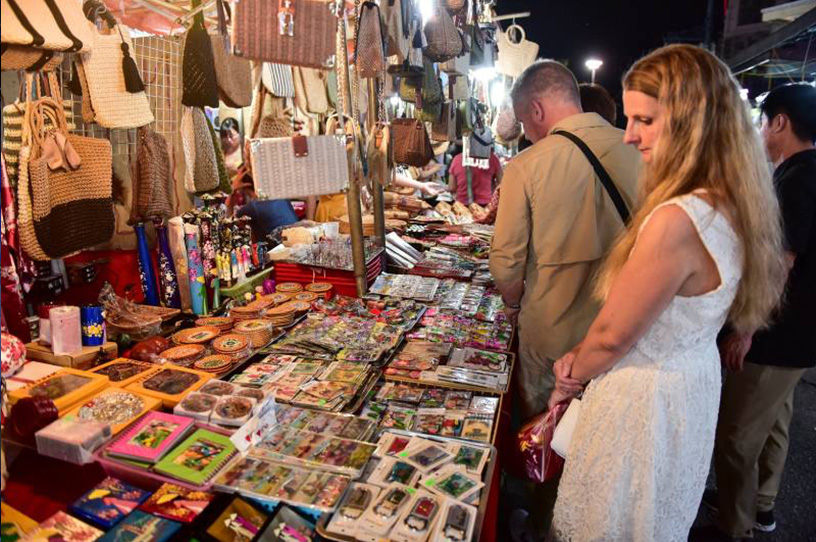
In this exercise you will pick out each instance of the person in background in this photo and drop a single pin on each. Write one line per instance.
(482, 181)
(596, 99)
(231, 145)
(705, 246)
(764, 368)
(267, 215)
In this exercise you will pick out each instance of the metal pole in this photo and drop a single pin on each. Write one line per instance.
(709, 26)
(376, 184)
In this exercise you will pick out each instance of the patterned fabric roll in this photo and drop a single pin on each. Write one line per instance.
(146, 274)
(195, 270)
(175, 233)
(167, 270)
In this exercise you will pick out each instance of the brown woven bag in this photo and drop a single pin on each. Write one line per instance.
(444, 129)
(411, 144)
(25, 57)
(444, 40)
(369, 54)
(233, 74)
(151, 184)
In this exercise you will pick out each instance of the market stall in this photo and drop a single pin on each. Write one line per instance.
(185, 358)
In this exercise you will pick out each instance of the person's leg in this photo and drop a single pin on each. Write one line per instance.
(749, 408)
(536, 379)
(772, 459)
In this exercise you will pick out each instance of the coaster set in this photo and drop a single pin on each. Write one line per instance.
(324, 289)
(223, 323)
(308, 297)
(259, 332)
(214, 364)
(184, 355)
(282, 315)
(196, 335)
(235, 345)
(278, 298)
(289, 287)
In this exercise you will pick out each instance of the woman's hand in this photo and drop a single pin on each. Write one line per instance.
(566, 387)
(432, 189)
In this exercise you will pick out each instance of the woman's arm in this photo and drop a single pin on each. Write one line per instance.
(667, 254)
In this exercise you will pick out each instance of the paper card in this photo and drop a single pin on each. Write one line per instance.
(452, 481)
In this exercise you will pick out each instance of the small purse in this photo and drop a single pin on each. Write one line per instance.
(369, 57)
(233, 74)
(411, 143)
(444, 129)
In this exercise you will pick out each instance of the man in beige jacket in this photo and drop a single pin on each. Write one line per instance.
(555, 223)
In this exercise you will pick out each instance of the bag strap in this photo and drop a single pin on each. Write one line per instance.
(469, 176)
(600, 171)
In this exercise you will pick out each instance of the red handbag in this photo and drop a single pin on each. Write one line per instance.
(540, 462)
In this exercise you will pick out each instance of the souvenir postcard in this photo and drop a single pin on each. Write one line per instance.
(239, 522)
(350, 373)
(429, 421)
(328, 391)
(108, 502)
(151, 437)
(452, 481)
(250, 379)
(198, 458)
(288, 526)
(432, 398)
(305, 399)
(177, 503)
(308, 368)
(471, 358)
(473, 458)
(397, 417)
(457, 400)
(399, 392)
(484, 405)
(142, 527)
(374, 411)
(477, 428)
(452, 424)
(64, 528)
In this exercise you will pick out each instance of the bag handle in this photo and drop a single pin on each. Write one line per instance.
(602, 174)
(515, 28)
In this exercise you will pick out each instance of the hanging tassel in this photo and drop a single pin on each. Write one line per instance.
(133, 81)
(74, 85)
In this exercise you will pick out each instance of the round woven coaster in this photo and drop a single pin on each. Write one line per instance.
(278, 298)
(230, 343)
(301, 306)
(198, 402)
(216, 363)
(319, 287)
(252, 326)
(183, 352)
(224, 323)
(280, 310)
(196, 335)
(308, 297)
(289, 287)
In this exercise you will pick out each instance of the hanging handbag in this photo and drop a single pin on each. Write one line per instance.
(45, 24)
(201, 167)
(411, 144)
(310, 90)
(152, 182)
(379, 154)
(515, 51)
(482, 48)
(298, 166)
(540, 461)
(506, 126)
(369, 57)
(107, 96)
(303, 32)
(198, 80)
(444, 39)
(457, 66)
(411, 65)
(25, 57)
(397, 32)
(481, 143)
(70, 179)
(454, 6)
(444, 129)
(278, 79)
(233, 74)
(349, 131)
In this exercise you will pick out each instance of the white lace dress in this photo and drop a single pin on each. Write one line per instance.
(641, 450)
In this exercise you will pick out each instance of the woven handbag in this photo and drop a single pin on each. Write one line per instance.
(201, 167)
(233, 74)
(444, 39)
(278, 80)
(482, 48)
(349, 130)
(302, 32)
(26, 57)
(310, 89)
(515, 51)
(379, 155)
(198, 80)
(444, 129)
(152, 183)
(410, 142)
(112, 104)
(369, 57)
(57, 25)
(298, 166)
(397, 28)
(506, 126)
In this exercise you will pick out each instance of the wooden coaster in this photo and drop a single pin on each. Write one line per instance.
(307, 297)
(230, 343)
(196, 335)
(289, 287)
(224, 323)
(217, 363)
(183, 352)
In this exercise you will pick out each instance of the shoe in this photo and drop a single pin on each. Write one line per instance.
(765, 521)
(711, 500)
(519, 531)
(710, 533)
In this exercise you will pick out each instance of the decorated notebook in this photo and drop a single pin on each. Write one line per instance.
(109, 502)
(142, 527)
(198, 458)
(240, 521)
(151, 437)
(288, 525)
(177, 503)
(64, 528)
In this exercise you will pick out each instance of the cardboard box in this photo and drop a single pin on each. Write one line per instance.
(84, 359)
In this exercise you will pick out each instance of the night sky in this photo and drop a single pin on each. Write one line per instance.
(616, 31)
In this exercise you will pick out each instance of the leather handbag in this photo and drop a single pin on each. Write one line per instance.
(369, 56)
(310, 89)
(299, 166)
(278, 79)
(233, 74)
(411, 143)
(107, 96)
(303, 33)
(45, 24)
(515, 51)
(444, 39)
(444, 129)
(199, 86)
(25, 57)
(480, 143)
(152, 184)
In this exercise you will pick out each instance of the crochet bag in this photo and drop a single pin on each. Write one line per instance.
(107, 96)
(152, 182)
(295, 32)
(515, 52)
(233, 74)
(70, 179)
(199, 84)
(278, 80)
(45, 24)
(201, 167)
(369, 57)
(444, 40)
(411, 144)
(506, 126)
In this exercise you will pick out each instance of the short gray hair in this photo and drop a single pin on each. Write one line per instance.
(545, 77)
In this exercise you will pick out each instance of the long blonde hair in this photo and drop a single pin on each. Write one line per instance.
(709, 142)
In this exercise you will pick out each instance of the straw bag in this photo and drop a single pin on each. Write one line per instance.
(515, 52)
(444, 40)
(25, 57)
(411, 144)
(444, 129)
(482, 48)
(233, 74)
(201, 168)
(108, 97)
(45, 24)
(152, 182)
(198, 81)
(396, 17)
(278, 79)
(369, 57)
(298, 166)
(70, 179)
(310, 90)
(302, 32)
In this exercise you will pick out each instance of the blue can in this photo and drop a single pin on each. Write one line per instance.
(93, 325)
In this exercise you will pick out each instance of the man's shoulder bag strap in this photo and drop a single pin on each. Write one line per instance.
(600, 171)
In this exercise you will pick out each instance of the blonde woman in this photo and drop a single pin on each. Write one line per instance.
(704, 247)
